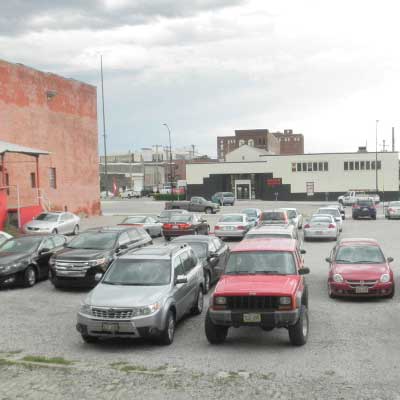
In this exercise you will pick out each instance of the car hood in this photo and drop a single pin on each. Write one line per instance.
(81, 254)
(41, 224)
(104, 295)
(7, 258)
(361, 271)
(259, 285)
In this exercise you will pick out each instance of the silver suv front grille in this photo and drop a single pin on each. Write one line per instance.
(112, 313)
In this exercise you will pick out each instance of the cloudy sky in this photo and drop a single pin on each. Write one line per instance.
(328, 70)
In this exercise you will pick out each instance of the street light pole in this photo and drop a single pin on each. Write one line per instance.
(376, 155)
(170, 154)
(104, 128)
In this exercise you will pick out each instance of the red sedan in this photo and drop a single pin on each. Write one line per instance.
(357, 267)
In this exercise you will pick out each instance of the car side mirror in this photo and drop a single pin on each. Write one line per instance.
(302, 251)
(304, 271)
(44, 250)
(390, 259)
(181, 279)
(98, 277)
(122, 247)
(328, 259)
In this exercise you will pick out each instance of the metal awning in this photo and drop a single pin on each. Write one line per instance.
(6, 147)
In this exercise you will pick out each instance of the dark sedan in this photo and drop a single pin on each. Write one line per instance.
(25, 260)
(92, 252)
(185, 224)
(212, 252)
(166, 215)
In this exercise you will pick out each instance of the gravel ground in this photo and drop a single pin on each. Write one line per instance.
(352, 352)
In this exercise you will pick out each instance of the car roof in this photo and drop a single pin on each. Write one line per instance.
(266, 244)
(274, 210)
(327, 208)
(321, 215)
(192, 238)
(224, 215)
(353, 241)
(154, 252)
(288, 209)
(273, 228)
(116, 228)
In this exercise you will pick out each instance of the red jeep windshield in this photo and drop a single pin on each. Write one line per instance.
(261, 262)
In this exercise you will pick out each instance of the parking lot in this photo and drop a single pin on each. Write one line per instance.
(352, 351)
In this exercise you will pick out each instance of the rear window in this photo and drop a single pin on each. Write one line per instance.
(365, 203)
(330, 211)
(273, 216)
(228, 194)
(180, 218)
(321, 220)
(231, 218)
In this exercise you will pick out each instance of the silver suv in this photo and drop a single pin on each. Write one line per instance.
(143, 294)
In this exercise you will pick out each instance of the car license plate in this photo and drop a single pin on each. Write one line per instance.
(113, 328)
(252, 317)
(361, 289)
(229, 228)
(365, 209)
(319, 233)
(175, 227)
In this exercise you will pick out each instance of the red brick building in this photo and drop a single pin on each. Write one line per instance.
(274, 142)
(56, 115)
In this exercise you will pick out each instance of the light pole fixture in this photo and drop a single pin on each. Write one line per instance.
(376, 155)
(170, 154)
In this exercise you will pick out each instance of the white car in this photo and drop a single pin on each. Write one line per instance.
(129, 194)
(295, 218)
(334, 211)
(53, 222)
(321, 226)
(4, 236)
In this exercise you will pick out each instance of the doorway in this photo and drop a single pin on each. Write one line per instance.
(243, 189)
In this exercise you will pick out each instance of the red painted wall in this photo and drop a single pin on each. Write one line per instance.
(65, 125)
(3, 208)
(27, 213)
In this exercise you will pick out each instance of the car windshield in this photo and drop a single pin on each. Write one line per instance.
(134, 220)
(200, 249)
(180, 218)
(250, 212)
(21, 245)
(268, 235)
(291, 214)
(261, 262)
(394, 204)
(331, 211)
(139, 273)
(47, 217)
(273, 216)
(320, 220)
(94, 241)
(231, 218)
(359, 255)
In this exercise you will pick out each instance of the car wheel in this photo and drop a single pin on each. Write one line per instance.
(76, 230)
(167, 335)
(208, 210)
(195, 232)
(197, 308)
(215, 334)
(208, 230)
(298, 333)
(330, 293)
(391, 295)
(374, 217)
(167, 238)
(55, 231)
(207, 282)
(30, 276)
(90, 339)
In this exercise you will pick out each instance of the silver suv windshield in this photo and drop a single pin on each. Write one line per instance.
(139, 273)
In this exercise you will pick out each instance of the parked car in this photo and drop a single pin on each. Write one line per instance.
(349, 198)
(106, 194)
(4, 236)
(321, 226)
(392, 210)
(196, 204)
(24, 260)
(341, 209)
(130, 194)
(149, 223)
(92, 252)
(185, 224)
(274, 217)
(54, 222)
(358, 267)
(334, 211)
(144, 294)
(295, 218)
(274, 231)
(166, 215)
(212, 253)
(364, 207)
(232, 225)
(223, 198)
(263, 286)
(253, 215)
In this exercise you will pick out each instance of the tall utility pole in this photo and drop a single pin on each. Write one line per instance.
(157, 180)
(376, 155)
(170, 154)
(104, 129)
(193, 150)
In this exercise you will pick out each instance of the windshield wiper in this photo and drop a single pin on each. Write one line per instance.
(239, 273)
(367, 262)
(344, 261)
(269, 272)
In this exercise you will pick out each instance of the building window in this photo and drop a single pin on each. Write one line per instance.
(241, 142)
(53, 178)
(362, 165)
(320, 166)
(7, 179)
(33, 180)
(372, 164)
(346, 165)
(367, 165)
(379, 164)
(315, 166)
(298, 167)
(325, 166)
(309, 166)
(356, 165)
(251, 142)
(351, 165)
(304, 166)
(293, 167)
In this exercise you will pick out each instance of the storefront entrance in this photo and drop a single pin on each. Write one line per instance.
(243, 189)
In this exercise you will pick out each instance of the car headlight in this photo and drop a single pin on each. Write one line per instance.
(385, 278)
(285, 301)
(95, 263)
(220, 301)
(86, 309)
(338, 278)
(11, 267)
(146, 310)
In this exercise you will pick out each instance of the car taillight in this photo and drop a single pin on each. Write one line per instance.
(184, 226)
(241, 227)
(167, 226)
(216, 227)
(356, 206)
(331, 226)
(390, 209)
(306, 226)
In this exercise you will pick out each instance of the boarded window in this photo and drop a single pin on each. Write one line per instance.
(33, 180)
(53, 178)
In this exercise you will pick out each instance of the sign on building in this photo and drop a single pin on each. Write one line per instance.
(274, 182)
(310, 188)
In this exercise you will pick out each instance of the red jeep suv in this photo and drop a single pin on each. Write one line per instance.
(262, 286)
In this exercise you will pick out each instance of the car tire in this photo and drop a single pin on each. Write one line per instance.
(90, 339)
(298, 333)
(208, 210)
(167, 335)
(167, 238)
(55, 231)
(207, 282)
(30, 276)
(76, 230)
(374, 217)
(198, 306)
(330, 293)
(391, 295)
(215, 334)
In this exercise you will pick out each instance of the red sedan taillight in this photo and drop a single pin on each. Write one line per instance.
(241, 227)
(167, 226)
(216, 227)
(306, 226)
(331, 226)
(184, 226)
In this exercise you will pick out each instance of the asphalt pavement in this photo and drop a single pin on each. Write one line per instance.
(352, 351)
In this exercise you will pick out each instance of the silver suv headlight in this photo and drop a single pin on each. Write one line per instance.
(86, 309)
(146, 310)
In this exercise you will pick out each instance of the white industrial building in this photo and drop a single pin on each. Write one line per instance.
(254, 174)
